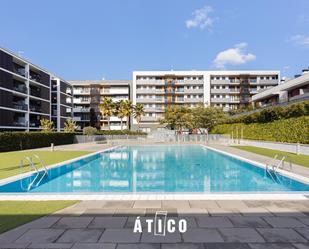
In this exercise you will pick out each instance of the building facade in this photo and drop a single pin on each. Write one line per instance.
(157, 90)
(25, 93)
(290, 91)
(88, 94)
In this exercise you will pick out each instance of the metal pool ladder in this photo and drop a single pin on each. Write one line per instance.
(271, 168)
(40, 174)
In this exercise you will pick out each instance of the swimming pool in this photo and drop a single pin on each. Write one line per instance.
(158, 169)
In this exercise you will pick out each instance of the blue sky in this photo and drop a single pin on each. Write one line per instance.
(110, 39)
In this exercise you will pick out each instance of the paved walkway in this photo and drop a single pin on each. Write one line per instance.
(211, 225)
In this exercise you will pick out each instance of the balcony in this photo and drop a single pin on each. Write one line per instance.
(220, 90)
(20, 106)
(80, 109)
(35, 77)
(150, 82)
(267, 82)
(68, 91)
(81, 91)
(19, 123)
(147, 119)
(193, 100)
(221, 100)
(150, 100)
(36, 92)
(35, 108)
(300, 97)
(20, 88)
(220, 82)
(19, 70)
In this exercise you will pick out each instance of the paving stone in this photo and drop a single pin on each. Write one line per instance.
(223, 212)
(255, 211)
(202, 235)
(40, 236)
(287, 212)
(252, 222)
(108, 222)
(231, 204)
(255, 203)
(44, 222)
(14, 245)
(98, 212)
(147, 204)
(12, 235)
(73, 222)
(50, 245)
(130, 212)
(240, 235)
(153, 211)
(272, 246)
(175, 204)
(203, 204)
(90, 204)
(168, 238)
(301, 245)
(192, 212)
(304, 232)
(119, 236)
(282, 222)
(227, 246)
(93, 246)
(80, 235)
(138, 246)
(183, 246)
(280, 235)
(304, 220)
(212, 222)
(118, 204)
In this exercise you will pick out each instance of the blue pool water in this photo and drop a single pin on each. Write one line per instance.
(158, 168)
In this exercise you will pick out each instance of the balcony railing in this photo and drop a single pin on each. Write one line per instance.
(36, 93)
(34, 108)
(20, 106)
(35, 77)
(20, 88)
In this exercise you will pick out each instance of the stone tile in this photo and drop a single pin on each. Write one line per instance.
(301, 245)
(304, 232)
(147, 204)
(131, 221)
(118, 204)
(80, 235)
(152, 211)
(12, 235)
(282, 222)
(44, 222)
(50, 245)
(255, 211)
(252, 222)
(13, 245)
(73, 222)
(98, 212)
(272, 246)
(138, 246)
(168, 238)
(175, 204)
(130, 212)
(227, 246)
(223, 212)
(231, 204)
(212, 222)
(304, 220)
(90, 204)
(280, 235)
(255, 203)
(183, 246)
(40, 236)
(203, 204)
(119, 236)
(279, 211)
(240, 235)
(202, 235)
(192, 212)
(108, 222)
(93, 246)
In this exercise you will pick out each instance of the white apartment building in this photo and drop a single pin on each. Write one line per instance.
(88, 94)
(227, 89)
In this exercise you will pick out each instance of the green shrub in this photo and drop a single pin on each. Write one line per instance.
(11, 141)
(271, 114)
(88, 130)
(290, 130)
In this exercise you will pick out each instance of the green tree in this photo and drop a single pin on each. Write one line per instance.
(128, 109)
(138, 113)
(106, 108)
(120, 111)
(46, 125)
(69, 126)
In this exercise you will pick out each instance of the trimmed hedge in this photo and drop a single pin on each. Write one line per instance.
(12, 141)
(290, 130)
(119, 132)
(272, 113)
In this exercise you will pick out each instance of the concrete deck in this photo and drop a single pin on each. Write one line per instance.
(211, 225)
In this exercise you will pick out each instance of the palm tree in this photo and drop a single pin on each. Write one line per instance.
(120, 111)
(128, 109)
(106, 108)
(138, 113)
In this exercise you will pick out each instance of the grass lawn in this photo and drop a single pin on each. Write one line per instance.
(16, 213)
(297, 159)
(10, 161)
